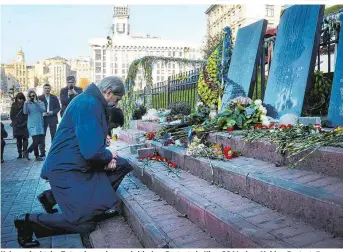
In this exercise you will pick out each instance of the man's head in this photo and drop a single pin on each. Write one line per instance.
(113, 90)
(47, 89)
(116, 118)
(71, 82)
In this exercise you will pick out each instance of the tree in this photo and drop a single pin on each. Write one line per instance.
(83, 83)
(211, 44)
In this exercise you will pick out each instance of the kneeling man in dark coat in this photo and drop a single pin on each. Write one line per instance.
(81, 192)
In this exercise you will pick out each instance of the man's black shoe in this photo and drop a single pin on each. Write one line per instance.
(46, 205)
(25, 240)
(42, 155)
(106, 215)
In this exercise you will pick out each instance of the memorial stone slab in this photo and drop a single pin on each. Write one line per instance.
(246, 53)
(294, 58)
(335, 115)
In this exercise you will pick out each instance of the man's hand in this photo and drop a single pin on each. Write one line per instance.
(111, 166)
(72, 92)
(45, 114)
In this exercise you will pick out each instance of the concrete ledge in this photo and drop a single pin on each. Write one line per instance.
(326, 160)
(148, 126)
(234, 221)
(289, 191)
(131, 136)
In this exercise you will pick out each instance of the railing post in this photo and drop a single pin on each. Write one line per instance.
(168, 92)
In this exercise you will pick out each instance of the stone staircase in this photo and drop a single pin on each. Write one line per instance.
(253, 201)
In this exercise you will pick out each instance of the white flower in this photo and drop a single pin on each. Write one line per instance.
(263, 110)
(200, 104)
(258, 102)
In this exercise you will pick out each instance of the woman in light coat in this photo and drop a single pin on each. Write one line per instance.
(34, 108)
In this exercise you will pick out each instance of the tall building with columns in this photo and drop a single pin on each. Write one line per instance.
(239, 15)
(113, 55)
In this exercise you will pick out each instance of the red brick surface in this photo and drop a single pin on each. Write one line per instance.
(205, 210)
(290, 191)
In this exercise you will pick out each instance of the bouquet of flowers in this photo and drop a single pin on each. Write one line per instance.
(215, 151)
(242, 113)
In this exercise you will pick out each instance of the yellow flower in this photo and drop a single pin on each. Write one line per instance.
(339, 129)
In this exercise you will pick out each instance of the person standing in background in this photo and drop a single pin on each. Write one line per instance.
(34, 108)
(52, 107)
(68, 93)
(19, 124)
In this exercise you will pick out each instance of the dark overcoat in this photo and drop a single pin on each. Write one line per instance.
(19, 121)
(80, 191)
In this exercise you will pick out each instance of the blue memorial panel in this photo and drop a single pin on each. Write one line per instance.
(294, 57)
(245, 54)
(335, 115)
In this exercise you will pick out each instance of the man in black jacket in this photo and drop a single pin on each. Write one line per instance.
(52, 107)
(68, 93)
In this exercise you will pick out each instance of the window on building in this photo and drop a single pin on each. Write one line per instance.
(115, 71)
(97, 69)
(174, 53)
(180, 54)
(97, 54)
(158, 71)
(269, 10)
(158, 78)
(162, 78)
(123, 71)
(169, 53)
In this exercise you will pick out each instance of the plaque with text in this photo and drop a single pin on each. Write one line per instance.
(335, 115)
(294, 58)
(246, 53)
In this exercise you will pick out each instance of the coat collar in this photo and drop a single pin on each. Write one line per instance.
(93, 90)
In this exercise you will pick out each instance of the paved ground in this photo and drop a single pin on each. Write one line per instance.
(20, 184)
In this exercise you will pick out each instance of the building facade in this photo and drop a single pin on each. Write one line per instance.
(114, 55)
(58, 72)
(17, 73)
(83, 68)
(238, 15)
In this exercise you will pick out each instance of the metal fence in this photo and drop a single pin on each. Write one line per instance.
(180, 87)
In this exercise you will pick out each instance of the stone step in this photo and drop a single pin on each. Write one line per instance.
(132, 136)
(314, 197)
(114, 233)
(234, 221)
(326, 160)
(156, 223)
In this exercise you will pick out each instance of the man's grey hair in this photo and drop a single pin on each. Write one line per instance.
(114, 83)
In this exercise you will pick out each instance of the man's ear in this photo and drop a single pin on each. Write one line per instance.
(108, 91)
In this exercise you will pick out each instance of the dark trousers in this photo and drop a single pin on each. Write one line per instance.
(36, 141)
(52, 127)
(45, 225)
(3, 143)
(22, 143)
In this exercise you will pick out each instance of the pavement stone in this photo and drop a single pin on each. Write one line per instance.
(20, 185)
